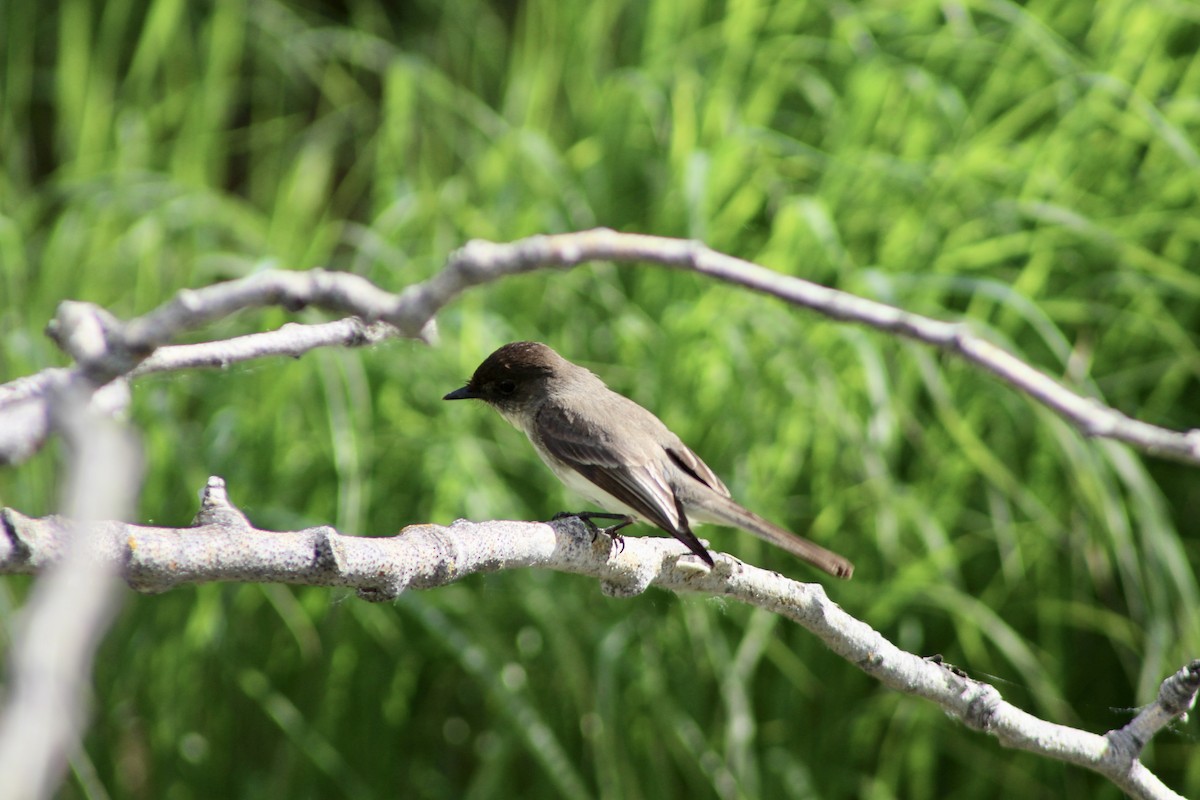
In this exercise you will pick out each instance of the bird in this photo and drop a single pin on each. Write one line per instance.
(618, 455)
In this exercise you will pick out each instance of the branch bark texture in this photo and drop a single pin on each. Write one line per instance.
(108, 353)
(106, 349)
(224, 546)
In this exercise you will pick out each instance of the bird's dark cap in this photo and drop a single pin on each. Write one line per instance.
(515, 361)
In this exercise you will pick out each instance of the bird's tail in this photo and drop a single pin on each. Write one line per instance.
(714, 508)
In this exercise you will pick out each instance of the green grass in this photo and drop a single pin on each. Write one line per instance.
(1033, 169)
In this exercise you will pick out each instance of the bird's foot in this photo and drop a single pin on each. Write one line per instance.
(588, 518)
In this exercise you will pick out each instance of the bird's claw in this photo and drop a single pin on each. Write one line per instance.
(612, 531)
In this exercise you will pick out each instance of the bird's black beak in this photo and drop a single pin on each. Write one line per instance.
(464, 393)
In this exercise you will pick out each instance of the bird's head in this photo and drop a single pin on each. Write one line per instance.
(514, 376)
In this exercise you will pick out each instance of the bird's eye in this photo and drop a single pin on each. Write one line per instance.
(506, 387)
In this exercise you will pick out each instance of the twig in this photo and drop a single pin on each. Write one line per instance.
(61, 625)
(109, 352)
(226, 547)
(106, 349)
(482, 262)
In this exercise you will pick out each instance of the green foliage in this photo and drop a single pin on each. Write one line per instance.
(1032, 169)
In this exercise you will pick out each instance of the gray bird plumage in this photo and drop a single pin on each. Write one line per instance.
(617, 454)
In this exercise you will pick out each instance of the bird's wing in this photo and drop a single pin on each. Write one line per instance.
(691, 463)
(623, 469)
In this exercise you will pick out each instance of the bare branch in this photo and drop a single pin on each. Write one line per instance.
(26, 408)
(224, 546)
(108, 352)
(292, 340)
(1176, 696)
(481, 262)
(105, 348)
(43, 714)
(25, 413)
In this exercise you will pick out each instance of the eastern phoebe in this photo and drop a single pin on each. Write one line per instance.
(617, 454)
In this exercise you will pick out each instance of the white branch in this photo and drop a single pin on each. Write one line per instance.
(106, 349)
(293, 339)
(480, 262)
(224, 546)
(109, 352)
(71, 607)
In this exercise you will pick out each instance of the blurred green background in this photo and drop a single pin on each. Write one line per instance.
(1032, 168)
